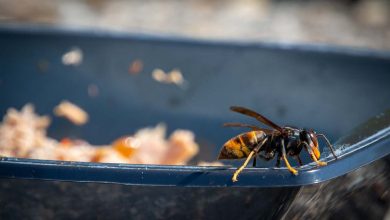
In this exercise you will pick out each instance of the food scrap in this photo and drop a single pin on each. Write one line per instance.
(73, 57)
(211, 164)
(173, 77)
(136, 67)
(23, 134)
(21, 131)
(72, 112)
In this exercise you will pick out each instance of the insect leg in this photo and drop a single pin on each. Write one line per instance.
(299, 160)
(328, 144)
(278, 161)
(319, 163)
(253, 152)
(292, 170)
(254, 162)
(238, 171)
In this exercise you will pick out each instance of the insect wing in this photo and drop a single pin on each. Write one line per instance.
(253, 127)
(256, 115)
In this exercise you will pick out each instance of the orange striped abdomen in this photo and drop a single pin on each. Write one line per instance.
(241, 145)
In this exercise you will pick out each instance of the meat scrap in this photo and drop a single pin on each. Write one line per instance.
(23, 134)
(72, 112)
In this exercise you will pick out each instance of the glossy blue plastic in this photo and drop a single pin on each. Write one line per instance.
(331, 90)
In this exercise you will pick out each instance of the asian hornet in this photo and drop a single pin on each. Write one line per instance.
(268, 143)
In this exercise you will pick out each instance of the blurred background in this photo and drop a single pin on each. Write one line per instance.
(348, 23)
(352, 23)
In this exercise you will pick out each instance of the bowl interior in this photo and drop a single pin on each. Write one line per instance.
(330, 92)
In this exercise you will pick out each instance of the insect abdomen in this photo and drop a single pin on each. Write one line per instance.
(241, 145)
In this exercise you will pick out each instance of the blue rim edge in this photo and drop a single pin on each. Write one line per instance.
(35, 29)
(373, 148)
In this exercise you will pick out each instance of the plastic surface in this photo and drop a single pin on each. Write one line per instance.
(218, 75)
(351, 156)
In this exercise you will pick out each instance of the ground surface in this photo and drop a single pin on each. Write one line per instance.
(354, 23)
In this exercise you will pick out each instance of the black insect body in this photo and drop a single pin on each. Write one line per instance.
(279, 142)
